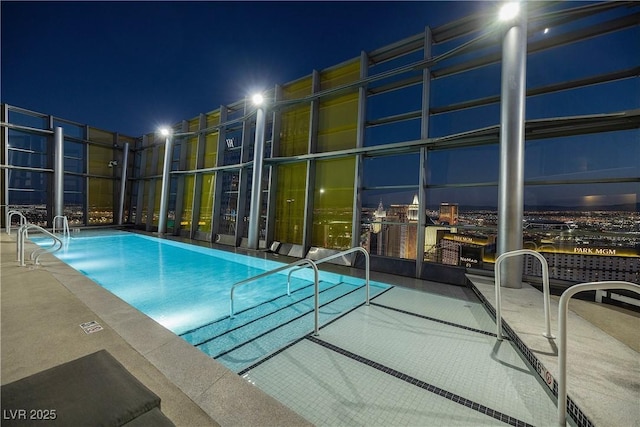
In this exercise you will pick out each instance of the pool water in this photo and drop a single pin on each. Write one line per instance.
(180, 286)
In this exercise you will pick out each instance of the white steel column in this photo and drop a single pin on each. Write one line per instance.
(7, 160)
(273, 175)
(164, 191)
(424, 134)
(58, 172)
(217, 195)
(512, 116)
(356, 228)
(256, 183)
(123, 183)
(310, 180)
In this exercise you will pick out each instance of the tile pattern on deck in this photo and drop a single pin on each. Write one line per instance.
(381, 366)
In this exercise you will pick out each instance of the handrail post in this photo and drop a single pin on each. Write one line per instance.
(316, 281)
(337, 255)
(22, 231)
(316, 299)
(562, 335)
(65, 225)
(268, 273)
(20, 245)
(367, 269)
(9, 215)
(545, 290)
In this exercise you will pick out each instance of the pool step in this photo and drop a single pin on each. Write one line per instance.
(244, 347)
(243, 332)
(301, 291)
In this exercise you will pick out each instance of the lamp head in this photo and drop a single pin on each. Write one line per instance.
(509, 11)
(257, 99)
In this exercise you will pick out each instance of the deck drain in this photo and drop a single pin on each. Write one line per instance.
(91, 327)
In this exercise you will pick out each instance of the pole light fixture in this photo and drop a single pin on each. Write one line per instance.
(512, 120)
(257, 99)
(509, 11)
(256, 182)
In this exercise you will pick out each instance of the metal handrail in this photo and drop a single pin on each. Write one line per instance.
(22, 232)
(545, 290)
(562, 333)
(65, 225)
(276, 270)
(10, 214)
(334, 256)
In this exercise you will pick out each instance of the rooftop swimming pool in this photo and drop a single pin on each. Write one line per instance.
(186, 288)
(409, 358)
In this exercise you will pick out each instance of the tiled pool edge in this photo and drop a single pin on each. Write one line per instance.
(576, 414)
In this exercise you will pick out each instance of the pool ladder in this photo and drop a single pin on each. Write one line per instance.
(545, 290)
(563, 305)
(64, 227)
(10, 214)
(300, 264)
(35, 255)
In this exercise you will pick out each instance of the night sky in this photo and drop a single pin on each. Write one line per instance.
(129, 66)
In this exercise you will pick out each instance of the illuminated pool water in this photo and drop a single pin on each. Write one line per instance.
(180, 286)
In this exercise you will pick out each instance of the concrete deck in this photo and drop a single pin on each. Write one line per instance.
(603, 363)
(42, 309)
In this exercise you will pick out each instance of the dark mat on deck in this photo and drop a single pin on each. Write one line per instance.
(94, 390)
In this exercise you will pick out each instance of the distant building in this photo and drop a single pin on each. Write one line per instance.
(448, 214)
(395, 230)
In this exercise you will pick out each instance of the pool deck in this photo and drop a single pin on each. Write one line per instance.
(42, 309)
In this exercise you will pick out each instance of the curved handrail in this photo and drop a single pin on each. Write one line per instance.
(276, 270)
(65, 225)
(562, 334)
(10, 214)
(22, 232)
(334, 256)
(545, 289)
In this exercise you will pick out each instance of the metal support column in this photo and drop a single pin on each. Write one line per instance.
(273, 176)
(356, 228)
(179, 184)
(217, 193)
(123, 182)
(164, 191)
(512, 116)
(256, 183)
(58, 172)
(424, 134)
(141, 183)
(7, 160)
(310, 180)
(198, 178)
